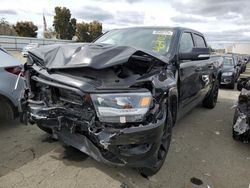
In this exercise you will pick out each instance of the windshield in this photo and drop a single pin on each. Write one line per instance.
(228, 61)
(151, 39)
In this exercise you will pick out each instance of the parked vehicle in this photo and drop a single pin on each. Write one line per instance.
(242, 63)
(241, 127)
(243, 83)
(246, 58)
(237, 65)
(11, 85)
(29, 47)
(118, 98)
(230, 71)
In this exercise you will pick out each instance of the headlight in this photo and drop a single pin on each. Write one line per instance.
(121, 107)
(227, 74)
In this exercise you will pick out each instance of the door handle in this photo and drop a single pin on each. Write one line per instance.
(198, 69)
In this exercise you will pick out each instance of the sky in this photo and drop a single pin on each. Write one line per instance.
(222, 21)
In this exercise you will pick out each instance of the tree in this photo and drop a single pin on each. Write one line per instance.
(26, 29)
(82, 32)
(49, 34)
(64, 25)
(87, 32)
(95, 29)
(72, 28)
(6, 28)
(211, 50)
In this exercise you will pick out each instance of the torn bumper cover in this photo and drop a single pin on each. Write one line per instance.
(115, 113)
(131, 146)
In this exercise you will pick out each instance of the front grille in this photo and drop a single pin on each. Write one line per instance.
(70, 96)
(48, 91)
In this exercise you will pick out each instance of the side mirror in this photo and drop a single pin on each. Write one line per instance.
(196, 54)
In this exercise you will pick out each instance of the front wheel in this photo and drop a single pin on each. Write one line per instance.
(231, 85)
(211, 100)
(162, 151)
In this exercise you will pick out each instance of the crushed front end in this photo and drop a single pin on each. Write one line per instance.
(114, 114)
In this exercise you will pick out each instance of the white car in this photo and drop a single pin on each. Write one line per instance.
(29, 47)
(11, 85)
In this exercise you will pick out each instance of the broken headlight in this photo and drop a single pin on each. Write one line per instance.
(121, 107)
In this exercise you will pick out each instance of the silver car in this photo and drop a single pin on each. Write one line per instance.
(11, 85)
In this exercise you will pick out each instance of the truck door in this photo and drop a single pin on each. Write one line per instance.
(207, 67)
(190, 72)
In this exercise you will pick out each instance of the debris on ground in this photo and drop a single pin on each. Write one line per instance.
(217, 132)
(196, 181)
(207, 174)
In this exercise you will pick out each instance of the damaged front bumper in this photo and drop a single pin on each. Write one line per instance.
(127, 144)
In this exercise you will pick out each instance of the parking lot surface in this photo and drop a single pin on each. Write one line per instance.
(202, 149)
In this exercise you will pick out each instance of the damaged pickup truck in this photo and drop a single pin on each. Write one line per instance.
(117, 99)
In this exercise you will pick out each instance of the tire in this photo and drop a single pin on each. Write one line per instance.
(7, 111)
(231, 85)
(45, 129)
(244, 70)
(211, 100)
(162, 151)
(239, 86)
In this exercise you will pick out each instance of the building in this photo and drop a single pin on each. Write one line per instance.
(240, 48)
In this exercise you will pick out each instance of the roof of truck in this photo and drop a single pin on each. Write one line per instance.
(179, 29)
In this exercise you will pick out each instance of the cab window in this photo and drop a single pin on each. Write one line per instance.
(199, 41)
(186, 43)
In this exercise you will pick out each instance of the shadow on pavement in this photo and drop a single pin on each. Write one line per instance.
(126, 176)
(21, 144)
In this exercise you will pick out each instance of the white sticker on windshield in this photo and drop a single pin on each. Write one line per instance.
(163, 33)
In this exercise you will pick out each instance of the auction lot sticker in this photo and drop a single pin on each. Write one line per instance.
(169, 33)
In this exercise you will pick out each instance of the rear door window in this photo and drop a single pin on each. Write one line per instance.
(186, 43)
(199, 41)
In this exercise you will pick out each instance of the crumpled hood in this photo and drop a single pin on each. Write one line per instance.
(92, 55)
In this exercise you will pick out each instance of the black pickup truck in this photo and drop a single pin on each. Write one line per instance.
(117, 99)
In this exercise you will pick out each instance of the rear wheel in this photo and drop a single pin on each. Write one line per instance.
(245, 67)
(239, 86)
(211, 100)
(7, 109)
(162, 151)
